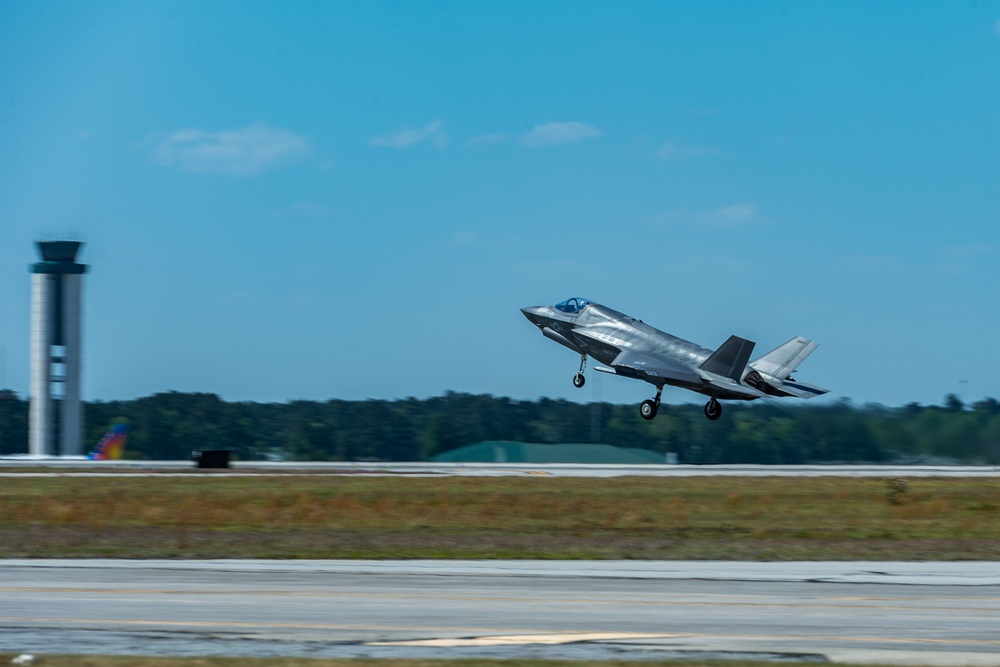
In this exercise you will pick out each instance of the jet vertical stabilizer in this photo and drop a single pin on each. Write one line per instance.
(730, 360)
(112, 445)
(781, 361)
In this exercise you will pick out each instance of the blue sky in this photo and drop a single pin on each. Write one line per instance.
(287, 200)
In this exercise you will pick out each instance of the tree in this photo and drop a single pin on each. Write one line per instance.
(170, 425)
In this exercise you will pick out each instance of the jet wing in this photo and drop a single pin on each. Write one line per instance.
(655, 368)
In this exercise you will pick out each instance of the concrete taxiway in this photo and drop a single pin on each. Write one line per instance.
(890, 613)
(63, 467)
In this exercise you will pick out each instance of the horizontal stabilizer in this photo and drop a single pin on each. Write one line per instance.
(781, 361)
(730, 360)
(801, 389)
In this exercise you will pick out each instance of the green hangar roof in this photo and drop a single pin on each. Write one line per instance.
(505, 451)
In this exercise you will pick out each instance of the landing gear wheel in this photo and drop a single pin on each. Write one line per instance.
(648, 409)
(713, 409)
(578, 379)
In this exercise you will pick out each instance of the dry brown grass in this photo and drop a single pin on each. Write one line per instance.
(130, 661)
(391, 517)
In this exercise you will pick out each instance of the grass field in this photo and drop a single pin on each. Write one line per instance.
(778, 518)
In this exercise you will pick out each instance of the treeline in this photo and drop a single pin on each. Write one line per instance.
(171, 425)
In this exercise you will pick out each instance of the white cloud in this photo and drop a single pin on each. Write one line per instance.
(961, 259)
(968, 251)
(432, 131)
(671, 151)
(953, 268)
(550, 134)
(955, 260)
(245, 152)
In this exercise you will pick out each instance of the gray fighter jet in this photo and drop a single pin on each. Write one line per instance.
(632, 348)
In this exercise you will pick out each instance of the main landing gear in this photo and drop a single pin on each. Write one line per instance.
(650, 407)
(579, 380)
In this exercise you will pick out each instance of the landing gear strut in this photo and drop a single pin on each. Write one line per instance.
(713, 409)
(650, 407)
(579, 380)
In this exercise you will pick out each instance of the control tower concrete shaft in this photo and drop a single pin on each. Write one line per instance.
(56, 415)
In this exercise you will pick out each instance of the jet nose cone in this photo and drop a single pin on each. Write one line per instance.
(532, 313)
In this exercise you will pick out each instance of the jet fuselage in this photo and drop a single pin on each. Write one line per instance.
(603, 333)
(631, 348)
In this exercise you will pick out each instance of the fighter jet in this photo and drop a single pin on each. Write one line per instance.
(633, 349)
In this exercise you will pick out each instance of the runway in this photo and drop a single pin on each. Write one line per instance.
(890, 613)
(79, 468)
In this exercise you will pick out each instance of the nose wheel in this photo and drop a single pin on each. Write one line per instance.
(649, 407)
(713, 409)
(579, 380)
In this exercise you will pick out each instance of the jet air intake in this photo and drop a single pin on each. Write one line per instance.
(562, 340)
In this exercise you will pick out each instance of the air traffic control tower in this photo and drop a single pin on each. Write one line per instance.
(56, 415)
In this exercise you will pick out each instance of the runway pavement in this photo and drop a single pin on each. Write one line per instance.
(890, 613)
(58, 467)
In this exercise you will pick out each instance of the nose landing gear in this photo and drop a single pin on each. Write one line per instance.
(579, 380)
(713, 409)
(649, 407)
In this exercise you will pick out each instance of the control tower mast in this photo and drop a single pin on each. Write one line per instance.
(56, 414)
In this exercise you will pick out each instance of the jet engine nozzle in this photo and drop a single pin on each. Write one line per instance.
(764, 382)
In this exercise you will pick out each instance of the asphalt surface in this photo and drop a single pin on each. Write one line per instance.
(890, 613)
(249, 468)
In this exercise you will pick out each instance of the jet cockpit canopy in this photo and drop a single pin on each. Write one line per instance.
(573, 305)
